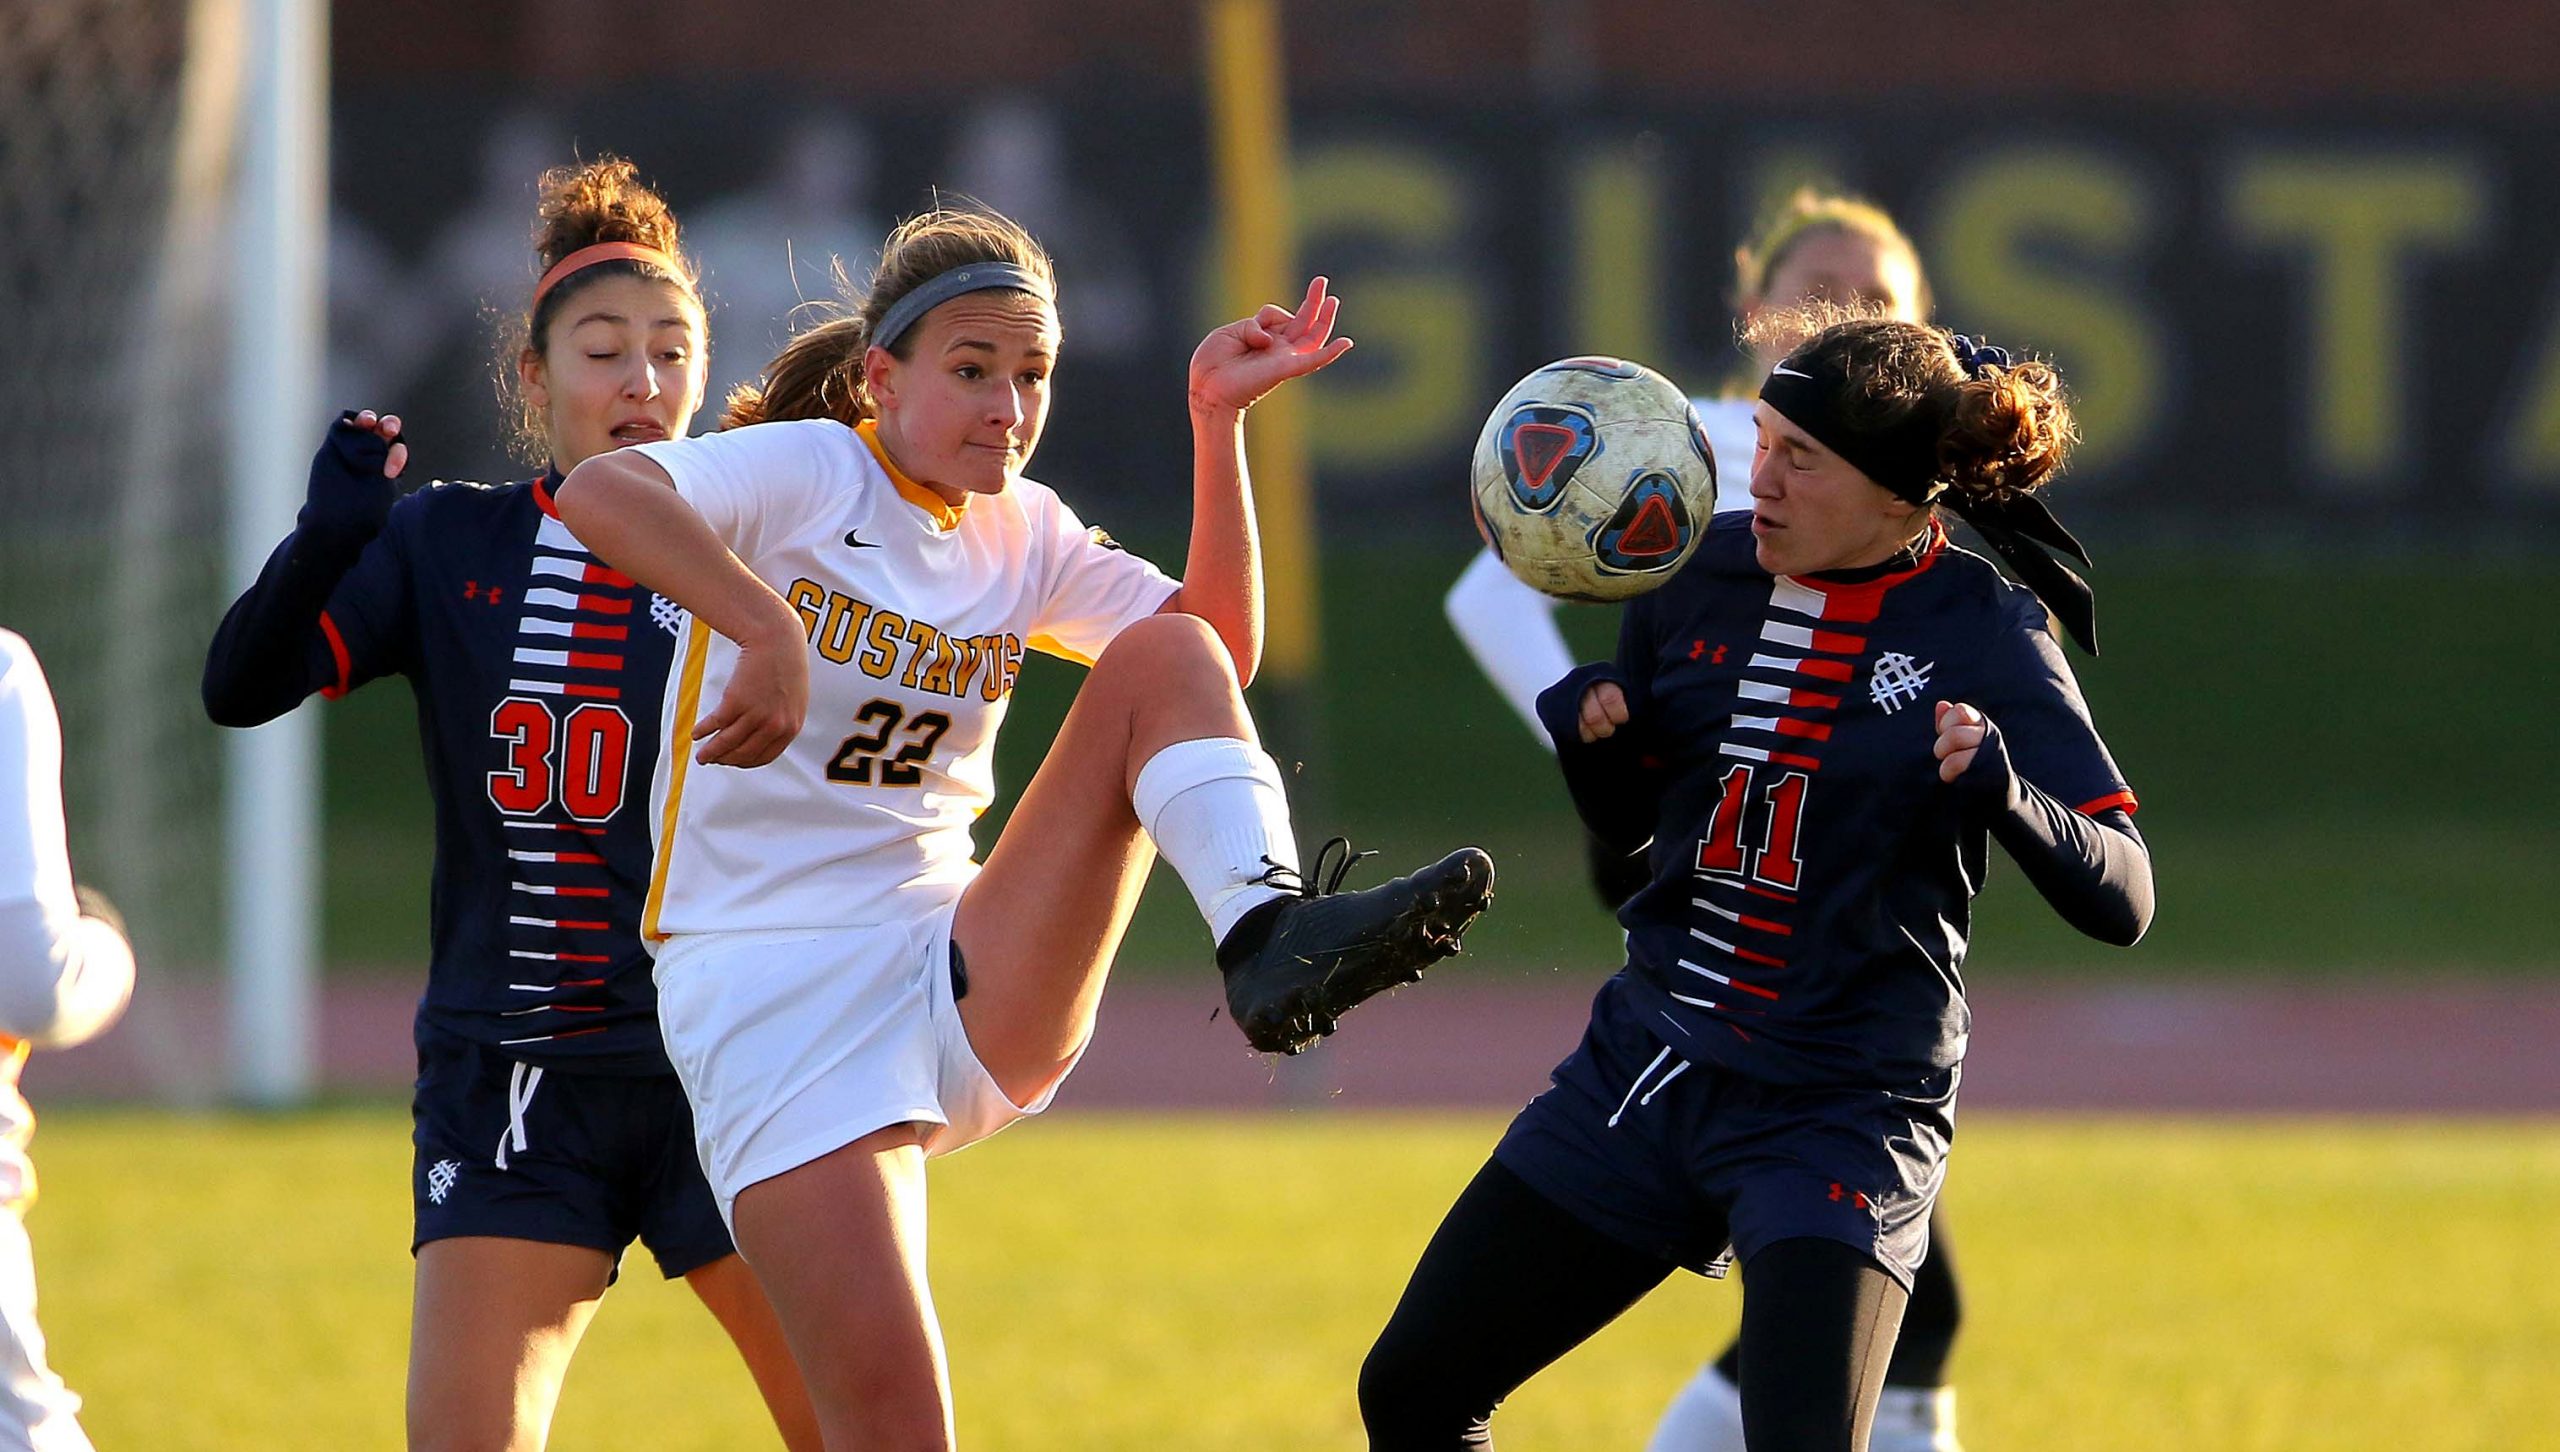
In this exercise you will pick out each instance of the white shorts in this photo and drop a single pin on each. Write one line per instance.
(794, 1044)
(37, 1412)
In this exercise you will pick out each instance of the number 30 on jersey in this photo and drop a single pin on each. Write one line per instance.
(585, 777)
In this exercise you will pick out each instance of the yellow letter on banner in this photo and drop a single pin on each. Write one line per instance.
(2360, 220)
(1993, 227)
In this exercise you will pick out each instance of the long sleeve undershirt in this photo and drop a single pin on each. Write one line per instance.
(63, 977)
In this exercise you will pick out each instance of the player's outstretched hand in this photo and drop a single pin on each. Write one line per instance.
(1971, 754)
(352, 476)
(761, 711)
(1604, 710)
(1239, 363)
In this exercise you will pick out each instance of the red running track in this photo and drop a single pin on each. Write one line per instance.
(2367, 1045)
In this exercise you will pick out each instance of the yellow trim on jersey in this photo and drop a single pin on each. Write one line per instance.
(697, 650)
(1051, 645)
(945, 513)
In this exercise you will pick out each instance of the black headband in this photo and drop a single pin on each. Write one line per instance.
(1810, 392)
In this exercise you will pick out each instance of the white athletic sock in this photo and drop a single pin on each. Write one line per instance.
(1705, 1417)
(1915, 1419)
(1215, 810)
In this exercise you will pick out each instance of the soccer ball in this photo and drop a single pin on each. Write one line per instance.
(1593, 480)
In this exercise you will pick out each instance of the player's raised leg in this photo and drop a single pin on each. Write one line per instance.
(1159, 751)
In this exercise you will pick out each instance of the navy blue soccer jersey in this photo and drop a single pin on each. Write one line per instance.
(538, 674)
(1812, 878)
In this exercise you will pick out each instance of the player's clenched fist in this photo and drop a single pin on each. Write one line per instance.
(767, 700)
(1604, 710)
(1960, 732)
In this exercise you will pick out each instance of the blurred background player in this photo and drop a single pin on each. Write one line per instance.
(1815, 246)
(846, 990)
(1773, 1075)
(66, 973)
(550, 1129)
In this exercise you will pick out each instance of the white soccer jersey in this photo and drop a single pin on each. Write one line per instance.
(917, 616)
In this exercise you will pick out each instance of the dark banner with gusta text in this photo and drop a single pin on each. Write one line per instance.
(2295, 327)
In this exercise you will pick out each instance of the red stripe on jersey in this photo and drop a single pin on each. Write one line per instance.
(586, 958)
(582, 927)
(1789, 758)
(1764, 925)
(587, 660)
(577, 1033)
(2110, 802)
(1752, 988)
(542, 496)
(1829, 670)
(338, 653)
(586, 630)
(1810, 730)
(586, 857)
(600, 693)
(574, 1008)
(600, 575)
(1837, 644)
(582, 892)
(1806, 700)
(580, 983)
(604, 604)
(1763, 959)
(1860, 603)
(1773, 896)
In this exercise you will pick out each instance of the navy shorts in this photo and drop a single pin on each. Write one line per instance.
(515, 1150)
(1688, 1162)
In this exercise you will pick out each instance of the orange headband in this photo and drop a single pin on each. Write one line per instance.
(586, 257)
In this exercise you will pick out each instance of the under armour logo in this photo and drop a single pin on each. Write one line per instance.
(440, 1178)
(1840, 1193)
(668, 615)
(1698, 650)
(471, 591)
(1898, 680)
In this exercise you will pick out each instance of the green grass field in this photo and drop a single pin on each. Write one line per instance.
(1178, 1283)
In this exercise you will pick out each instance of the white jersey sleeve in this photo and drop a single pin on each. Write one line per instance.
(1091, 588)
(63, 977)
(756, 485)
(1733, 437)
(1511, 631)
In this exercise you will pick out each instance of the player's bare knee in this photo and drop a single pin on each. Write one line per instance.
(1164, 651)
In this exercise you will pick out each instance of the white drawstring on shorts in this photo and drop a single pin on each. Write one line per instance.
(1658, 1084)
(522, 1080)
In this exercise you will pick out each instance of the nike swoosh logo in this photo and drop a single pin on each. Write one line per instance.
(860, 544)
(1792, 373)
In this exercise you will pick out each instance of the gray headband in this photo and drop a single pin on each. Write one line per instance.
(942, 288)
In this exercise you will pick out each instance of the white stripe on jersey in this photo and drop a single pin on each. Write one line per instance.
(1795, 635)
(1776, 662)
(1751, 690)
(555, 599)
(553, 535)
(1786, 594)
(553, 565)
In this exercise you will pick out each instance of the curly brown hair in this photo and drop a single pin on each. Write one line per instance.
(2002, 432)
(582, 204)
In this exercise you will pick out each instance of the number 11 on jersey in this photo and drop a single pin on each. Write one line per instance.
(1775, 861)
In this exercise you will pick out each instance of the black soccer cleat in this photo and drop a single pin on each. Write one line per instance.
(1295, 966)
